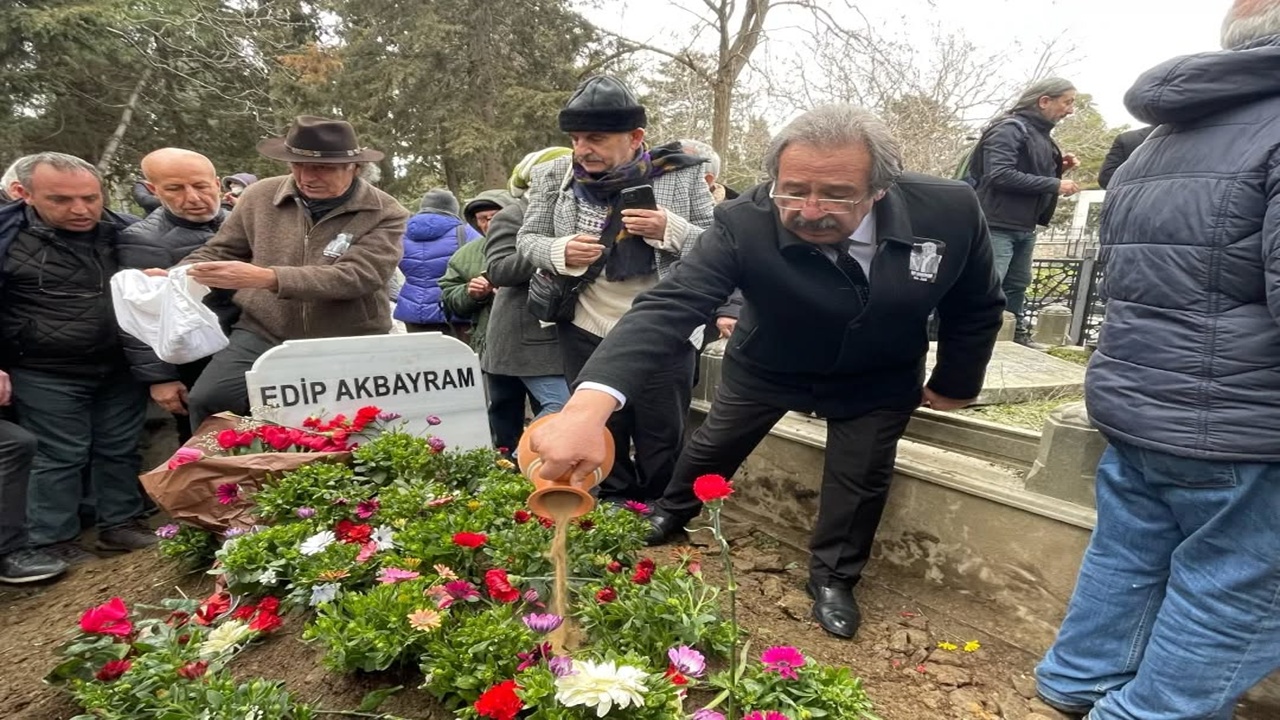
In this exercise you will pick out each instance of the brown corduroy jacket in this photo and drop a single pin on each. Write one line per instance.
(318, 295)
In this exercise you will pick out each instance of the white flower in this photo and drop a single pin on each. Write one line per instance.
(268, 577)
(316, 544)
(225, 637)
(324, 593)
(601, 685)
(384, 538)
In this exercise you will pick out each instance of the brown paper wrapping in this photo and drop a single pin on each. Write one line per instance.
(188, 493)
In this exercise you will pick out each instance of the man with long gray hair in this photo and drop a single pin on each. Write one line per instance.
(1017, 169)
(1174, 613)
(823, 330)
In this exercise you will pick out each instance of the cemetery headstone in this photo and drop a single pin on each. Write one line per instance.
(1069, 452)
(413, 376)
(1053, 325)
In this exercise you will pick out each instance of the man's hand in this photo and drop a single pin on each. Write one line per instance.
(582, 250)
(233, 275)
(230, 199)
(650, 224)
(934, 401)
(6, 389)
(1067, 188)
(571, 442)
(1070, 162)
(726, 325)
(172, 396)
(479, 288)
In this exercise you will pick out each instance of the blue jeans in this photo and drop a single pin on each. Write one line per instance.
(551, 391)
(1013, 250)
(1176, 612)
(80, 422)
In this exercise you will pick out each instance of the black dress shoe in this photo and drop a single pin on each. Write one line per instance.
(663, 529)
(835, 610)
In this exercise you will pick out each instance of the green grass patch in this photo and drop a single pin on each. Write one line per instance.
(1028, 415)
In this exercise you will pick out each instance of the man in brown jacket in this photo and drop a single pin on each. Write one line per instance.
(309, 255)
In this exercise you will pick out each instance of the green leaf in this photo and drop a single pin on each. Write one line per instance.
(374, 699)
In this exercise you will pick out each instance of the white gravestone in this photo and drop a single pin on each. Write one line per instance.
(415, 376)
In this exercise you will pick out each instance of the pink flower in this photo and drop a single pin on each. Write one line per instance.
(453, 592)
(435, 443)
(783, 660)
(367, 551)
(395, 575)
(109, 618)
(765, 715)
(167, 532)
(433, 420)
(228, 493)
(388, 416)
(183, 456)
(366, 509)
(687, 661)
(305, 512)
(636, 507)
(705, 714)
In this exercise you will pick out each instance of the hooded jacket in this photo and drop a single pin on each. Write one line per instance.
(1188, 362)
(429, 241)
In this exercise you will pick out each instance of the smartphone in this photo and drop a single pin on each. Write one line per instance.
(639, 197)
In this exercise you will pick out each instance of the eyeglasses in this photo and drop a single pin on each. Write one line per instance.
(826, 205)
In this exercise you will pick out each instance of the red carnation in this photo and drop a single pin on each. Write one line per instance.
(710, 488)
(522, 516)
(643, 573)
(547, 523)
(113, 670)
(606, 595)
(675, 677)
(212, 608)
(265, 622)
(587, 524)
(470, 539)
(499, 587)
(109, 618)
(614, 566)
(350, 532)
(193, 670)
(244, 612)
(269, 604)
(500, 702)
(276, 437)
(228, 439)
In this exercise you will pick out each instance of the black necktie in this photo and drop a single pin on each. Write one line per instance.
(853, 269)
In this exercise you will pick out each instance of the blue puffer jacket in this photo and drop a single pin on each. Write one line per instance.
(1189, 358)
(430, 240)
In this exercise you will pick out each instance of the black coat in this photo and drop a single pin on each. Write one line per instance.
(162, 240)
(1021, 172)
(1124, 145)
(804, 341)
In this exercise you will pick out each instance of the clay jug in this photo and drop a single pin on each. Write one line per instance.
(558, 493)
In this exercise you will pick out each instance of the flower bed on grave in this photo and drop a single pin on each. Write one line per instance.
(404, 555)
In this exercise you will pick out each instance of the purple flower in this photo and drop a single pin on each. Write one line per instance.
(562, 665)
(705, 714)
(433, 420)
(636, 507)
(366, 509)
(305, 512)
(168, 532)
(533, 657)
(687, 661)
(235, 532)
(436, 443)
(531, 596)
(228, 493)
(388, 416)
(542, 623)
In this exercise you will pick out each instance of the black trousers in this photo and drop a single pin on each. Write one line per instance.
(507, 394)
(651, 424)
(17, 450)
(855, 479)
(221, 387)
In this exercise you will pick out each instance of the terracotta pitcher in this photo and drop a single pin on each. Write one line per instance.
(531, 465)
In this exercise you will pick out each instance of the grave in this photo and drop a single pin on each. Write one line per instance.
(413, 376)
(1020, 374)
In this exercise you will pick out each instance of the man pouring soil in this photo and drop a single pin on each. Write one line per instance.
(834, 323)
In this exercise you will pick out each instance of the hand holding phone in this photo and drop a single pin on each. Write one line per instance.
(639, 197)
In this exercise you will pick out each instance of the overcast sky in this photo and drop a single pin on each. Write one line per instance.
(1115, 40)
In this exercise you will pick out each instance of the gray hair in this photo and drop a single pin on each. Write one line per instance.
(370, 172)
(704, 150)
(829, 126)
(26, 166)
(1240, 30)
(10, 175)
(1053, 87)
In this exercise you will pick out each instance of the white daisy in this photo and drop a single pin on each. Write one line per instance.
(269, 577)
(601, 686)
(316, 544)
(384, 538)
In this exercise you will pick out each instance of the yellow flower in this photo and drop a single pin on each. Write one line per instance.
(972, 646)
(475, 505)
(411, 563)
(505, 464)
(424, 619)
(398, 523)
(947, 646)
(332, 575)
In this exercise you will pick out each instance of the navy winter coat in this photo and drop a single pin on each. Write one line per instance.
(1189, 358)
(430, 240)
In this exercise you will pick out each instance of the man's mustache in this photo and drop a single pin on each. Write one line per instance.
(589, 157)
(822, 223)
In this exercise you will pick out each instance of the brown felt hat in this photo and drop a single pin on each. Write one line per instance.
(314, 139)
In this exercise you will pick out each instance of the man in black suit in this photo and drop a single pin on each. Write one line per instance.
(1124, 145)
(834, 323)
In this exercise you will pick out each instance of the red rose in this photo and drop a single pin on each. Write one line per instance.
(269, 604)
(470, 539)
(606, 595)
(547, 523)
(244, 612)
(500, 702)
(109, 618)
(614, 567)
(522, 516)
(228, 439)
(265, 622)
(212, 608)
(709, 488)
(113, 670)
(193, 670)
(499, 587)
(349, 532)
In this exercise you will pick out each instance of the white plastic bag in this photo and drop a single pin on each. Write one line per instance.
(167, 313)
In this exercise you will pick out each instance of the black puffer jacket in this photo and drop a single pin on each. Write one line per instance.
(1021, 172)
(55, 298)
(161, 241)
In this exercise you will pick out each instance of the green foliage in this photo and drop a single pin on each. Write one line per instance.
(370, 631)
(318, 486)
(244, 559)
(674, 608)
(662, 699)
(479, 651)
(191, 547)
(818, 691)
